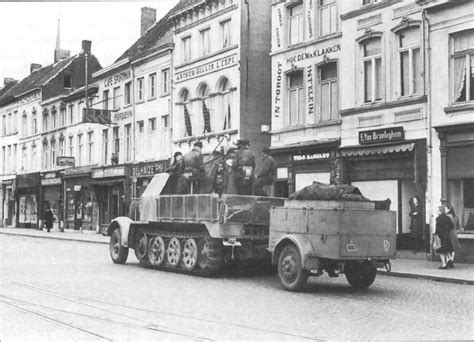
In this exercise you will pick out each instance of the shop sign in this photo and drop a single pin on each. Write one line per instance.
(112, 172)
(278, 89)
(51, 181)
(65, 161)
(383, 135)
(313, 54)
(311, 156)
(117, 78)
(146, 169)
(101, 116)
(122, 115)
(218, 64)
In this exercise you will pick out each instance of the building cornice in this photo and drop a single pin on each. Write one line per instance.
(368, 8)
(384, 105)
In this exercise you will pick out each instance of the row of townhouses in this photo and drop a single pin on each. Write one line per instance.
(374, 93)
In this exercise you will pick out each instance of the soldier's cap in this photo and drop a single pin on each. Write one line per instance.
(242, 142)
(266, 150)
(198, 144)
(177, 154)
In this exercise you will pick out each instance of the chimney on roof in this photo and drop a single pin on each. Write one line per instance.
(147, 20)
(34, 67)
(86, 46)
(8, 80)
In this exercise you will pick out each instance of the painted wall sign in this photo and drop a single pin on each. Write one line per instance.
(377, 136)
(51, 181)
(28, 98)
(311, 156)
(313, 54)
(112, 172)
(309, 14)
(218, 64)
(278, 89)
(145, 169)
(122, 115)
(310, 89)
(101, 116)
(279, 28)
(117, 78)
(65, 161)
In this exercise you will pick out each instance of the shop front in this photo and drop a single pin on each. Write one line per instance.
(81, 208)
(142, 174)
(457, 181)
(112, 188)
(386, 167)
(7, 197)
(27, 198)
(299, 165)
(52, 196)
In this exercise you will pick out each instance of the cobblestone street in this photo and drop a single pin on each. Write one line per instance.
(44, 282)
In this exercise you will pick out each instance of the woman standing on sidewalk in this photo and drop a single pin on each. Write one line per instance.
(443, 227)
(453, 234)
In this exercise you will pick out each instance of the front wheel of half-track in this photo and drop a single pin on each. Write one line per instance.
(210, 256)
(118, 253)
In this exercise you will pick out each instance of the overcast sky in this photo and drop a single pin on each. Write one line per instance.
(28, 30)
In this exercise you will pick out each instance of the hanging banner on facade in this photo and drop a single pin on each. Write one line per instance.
(101, 116)
(383, 135)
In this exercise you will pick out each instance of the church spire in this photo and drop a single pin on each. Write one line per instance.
(58, 37)
(58, 53)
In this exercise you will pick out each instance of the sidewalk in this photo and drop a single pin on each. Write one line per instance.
(406, 268)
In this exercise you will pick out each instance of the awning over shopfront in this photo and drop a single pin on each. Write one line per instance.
(313, 144)
(376, 150)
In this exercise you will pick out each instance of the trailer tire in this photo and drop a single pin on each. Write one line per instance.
(290, 269)
(360, 274)
(118, 253)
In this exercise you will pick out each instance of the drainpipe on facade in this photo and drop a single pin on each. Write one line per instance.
(427, 65)
(171, 104)
(134, 184)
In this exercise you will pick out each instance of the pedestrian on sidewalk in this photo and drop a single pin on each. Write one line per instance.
(443, 227)
(416, 224)
(453, 234)
(48, 219)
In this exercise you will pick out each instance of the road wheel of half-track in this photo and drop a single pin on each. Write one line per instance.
(156, 251)
(173, 252)
(360, 274)
(118, 253)
(190, 254)
(210, 256)
(290, 269)
(141, 247)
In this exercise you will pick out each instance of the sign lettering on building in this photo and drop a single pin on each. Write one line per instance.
(117, 78)
(378, 136)
(313, 54)
(309, 14)
(101, 116)
(279, 28)
(51, 181)
(311, 156)
(146, 169)
(278, 89)
(207, 68)
(310, 89)
(65, 161)
(122, 115)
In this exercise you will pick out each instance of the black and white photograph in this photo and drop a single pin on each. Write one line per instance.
(237, 170)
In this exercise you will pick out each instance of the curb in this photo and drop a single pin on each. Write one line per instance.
(55, 238)
(426, 277)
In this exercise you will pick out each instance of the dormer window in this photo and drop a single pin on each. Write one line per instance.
(67, 81)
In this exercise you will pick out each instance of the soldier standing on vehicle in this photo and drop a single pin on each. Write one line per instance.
(243, 166)
(267, 174)
(175, 171)
(193, 172)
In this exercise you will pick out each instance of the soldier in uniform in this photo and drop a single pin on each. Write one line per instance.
(193, 171)
(175, 171)
(243, 166)
(267, 174)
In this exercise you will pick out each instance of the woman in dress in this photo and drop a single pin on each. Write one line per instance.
(443, 227)
(453, 234)
(416, 224)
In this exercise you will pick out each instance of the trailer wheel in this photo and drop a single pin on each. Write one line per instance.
(118, 253)
(290, 269)
(360, 274)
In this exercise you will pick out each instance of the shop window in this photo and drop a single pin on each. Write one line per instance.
(105, 99)
(105, 145)
(117, 96)
(372, 69)
(410, 61)
(152, 85)
(186, 48)
(463, 66)
(87, 204)
(327, 17)
(128, 142)
(165, 81)
(295, 24)
(140, 90)
(295, 98)
(205, 42)
(225, 33)
(328, 91)
(128, 95)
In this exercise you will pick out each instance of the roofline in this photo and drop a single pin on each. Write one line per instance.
(28, 91)
(111, 67)
(186, 8)
(161, 49)
(60, 70)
